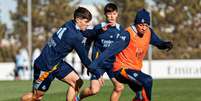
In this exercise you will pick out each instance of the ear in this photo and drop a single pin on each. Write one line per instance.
(77, 20)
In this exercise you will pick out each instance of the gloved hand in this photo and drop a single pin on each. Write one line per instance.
(168, 45)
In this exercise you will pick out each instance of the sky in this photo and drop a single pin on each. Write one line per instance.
(5, 7)
(92, 1)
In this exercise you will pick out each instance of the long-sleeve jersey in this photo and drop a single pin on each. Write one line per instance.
(64, 41)
(102, 40)
(123, 42)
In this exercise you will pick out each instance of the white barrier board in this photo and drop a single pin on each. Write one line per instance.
(160, 69)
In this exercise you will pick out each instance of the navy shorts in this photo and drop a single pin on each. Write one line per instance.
(43, 79)
(102, 71)
(135, 79)
(132, 77)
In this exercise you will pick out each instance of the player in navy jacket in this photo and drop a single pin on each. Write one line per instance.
(50, 63)
(102, 40)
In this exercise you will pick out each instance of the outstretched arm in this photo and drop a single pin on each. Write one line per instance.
(160, 44)
(82, 53)
(115, 48)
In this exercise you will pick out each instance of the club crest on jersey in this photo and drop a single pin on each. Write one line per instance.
(84, 40)
(142, 20)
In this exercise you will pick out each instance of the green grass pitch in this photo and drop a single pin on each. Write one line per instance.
(163, 90)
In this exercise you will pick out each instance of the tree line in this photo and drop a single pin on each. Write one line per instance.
(175, 20)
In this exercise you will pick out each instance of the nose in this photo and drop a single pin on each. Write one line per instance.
(112, 16)
(144, 28)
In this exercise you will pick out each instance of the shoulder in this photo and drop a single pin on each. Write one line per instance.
(153, 32)
(100, 25)
(125, 36)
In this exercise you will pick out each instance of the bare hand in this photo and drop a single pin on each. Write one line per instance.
(101, 81)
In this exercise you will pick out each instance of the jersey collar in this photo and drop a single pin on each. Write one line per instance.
(77, 27)
(116, 25)
(134, 28)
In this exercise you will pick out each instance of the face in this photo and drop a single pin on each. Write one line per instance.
(141, 28)
(82, 23)
(112, 16)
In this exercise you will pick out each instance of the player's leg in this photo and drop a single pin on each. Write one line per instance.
(68, 75)
(118, 87)
(92, 90)
(141, 83)
(123, 77)
(147, 85)
(41, 83)
(36, 95)
(94, 87)
(75, 84)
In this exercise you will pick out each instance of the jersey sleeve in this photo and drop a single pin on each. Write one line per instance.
(114, 49)
(88, 45)
(80, 49)
(92, 33)
(155, 40)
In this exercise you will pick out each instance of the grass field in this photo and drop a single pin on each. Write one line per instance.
(163, 90)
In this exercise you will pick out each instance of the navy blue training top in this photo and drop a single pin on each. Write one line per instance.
(64, 41)
(103, 40)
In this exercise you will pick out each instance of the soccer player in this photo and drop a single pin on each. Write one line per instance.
(130, 51)
(103, 39)
(50, 63)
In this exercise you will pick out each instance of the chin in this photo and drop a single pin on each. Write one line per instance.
(140, 34)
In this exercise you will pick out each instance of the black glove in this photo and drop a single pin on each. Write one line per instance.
(168, 45)
(165, 45)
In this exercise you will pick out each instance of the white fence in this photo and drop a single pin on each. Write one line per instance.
(7, 71)
(173, 69)
(160, 69)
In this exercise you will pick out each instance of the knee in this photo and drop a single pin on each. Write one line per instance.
(95, 90)
(31, 97)
(119, 88)
(37, 97)
(26, 97)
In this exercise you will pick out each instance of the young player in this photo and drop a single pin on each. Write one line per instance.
(102, 40)
(50, 64)
(131, 48)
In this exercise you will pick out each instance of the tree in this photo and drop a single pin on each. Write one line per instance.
(176, 20)
(47, 15)
(180, 20)
(2, 31)
(6, 44)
